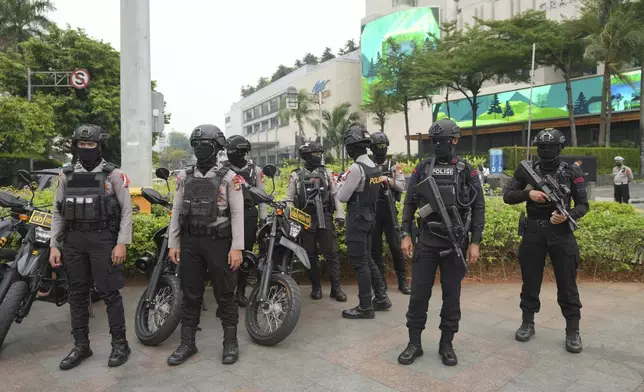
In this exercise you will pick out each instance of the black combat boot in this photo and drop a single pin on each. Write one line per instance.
(446, 349)
(186, 349)
(403, 286)
(230, 354)
(80, 351)
(414, 348)
(525, 331)
(316, 292)
(573, 342)
(338, 294)
(241, 298)
(382, 301)
(362, 311)
(120, 349)
(384, 276)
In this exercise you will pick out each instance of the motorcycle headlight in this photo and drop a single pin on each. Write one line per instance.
(294, 230)
(42, 235)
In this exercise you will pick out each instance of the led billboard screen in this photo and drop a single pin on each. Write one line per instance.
(548, 102)
(404, 27)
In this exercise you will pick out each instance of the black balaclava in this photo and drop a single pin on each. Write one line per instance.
(443, 148)
(549, 156)
(312, 161)
(379, 154)
(89, 157)
(237, 158)
(355, 151)
(618, 163)
(206, 155)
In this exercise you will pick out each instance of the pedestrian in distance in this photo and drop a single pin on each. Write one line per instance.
(206, 236)
(93, 224)
(622, 177)
(451, 221)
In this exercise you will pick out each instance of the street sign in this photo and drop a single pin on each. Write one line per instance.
(79, 78)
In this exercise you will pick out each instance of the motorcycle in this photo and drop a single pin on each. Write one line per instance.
(159, 309)
(274, 305)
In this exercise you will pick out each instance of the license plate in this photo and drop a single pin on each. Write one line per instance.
(41, 218)
(301, 217)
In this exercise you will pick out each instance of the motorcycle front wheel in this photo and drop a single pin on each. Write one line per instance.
(153, 325)
(9, 307)
(271, 322)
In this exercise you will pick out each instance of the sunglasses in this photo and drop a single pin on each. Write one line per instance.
(203, 142)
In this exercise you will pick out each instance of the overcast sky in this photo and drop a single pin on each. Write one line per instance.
(203, 51)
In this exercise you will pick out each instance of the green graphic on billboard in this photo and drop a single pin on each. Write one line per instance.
(548, 102)
(405, 27)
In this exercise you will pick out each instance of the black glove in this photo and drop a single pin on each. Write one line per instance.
(339, 222)
(262, 222)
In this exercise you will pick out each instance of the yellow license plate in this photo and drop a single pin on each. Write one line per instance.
(41, 218)
(301, 217)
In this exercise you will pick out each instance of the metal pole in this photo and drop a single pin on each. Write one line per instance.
(320, 125)
(31, 160)
(136, 92)
(527, 153)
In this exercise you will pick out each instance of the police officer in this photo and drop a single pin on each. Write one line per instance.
(206, 235)
(360, 189)
(93, 223)
(237, 147)
(393, 182)
(460, 188)
(305, 187)
(546, 232)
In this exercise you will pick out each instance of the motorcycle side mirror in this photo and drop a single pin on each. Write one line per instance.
(26, 177)
(163, 173)
(269, 171)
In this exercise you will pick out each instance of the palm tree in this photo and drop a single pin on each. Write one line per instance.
(304, 112)
(21, 19)
(335, 123)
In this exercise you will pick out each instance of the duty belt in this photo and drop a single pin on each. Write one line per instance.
(88, 226)
(622, 183)
(539, 222)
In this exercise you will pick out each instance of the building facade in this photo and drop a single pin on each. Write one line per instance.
(274, 137)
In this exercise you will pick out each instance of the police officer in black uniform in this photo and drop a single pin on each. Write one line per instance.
(394, 183)
(360, 189)
(237, 147)
(546, 232)
(206, 235)
(459, 186)
(93, 222)
(305, 186)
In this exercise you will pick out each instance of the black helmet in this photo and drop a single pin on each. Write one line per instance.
(444, 128)
(309, 148)
(91, 133)
(238, 143)
(379, 138)
(550, 136)
(357, 135)
(208, 132)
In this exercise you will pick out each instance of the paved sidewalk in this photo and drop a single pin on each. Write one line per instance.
(328, 353)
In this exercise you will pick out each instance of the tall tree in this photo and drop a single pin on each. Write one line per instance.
(21, 19)
(179, 141)
(335, 123)
(247, 90)
(639, 55)
(304, 112)
(559, 45)
(262, 82)
(26, 126)
(298, 64)
(310, 59)
(380, 104)
(327, 55)
(349, 47)
(281, 72)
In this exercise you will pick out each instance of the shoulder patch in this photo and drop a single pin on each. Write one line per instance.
(126, 180)
(454, 160)
(238, 181)
(474, 173)
(578, 180)
(399, 168)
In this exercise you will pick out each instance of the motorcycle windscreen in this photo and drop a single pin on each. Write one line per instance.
(297, 250)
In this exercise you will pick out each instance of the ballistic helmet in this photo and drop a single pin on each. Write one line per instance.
(357, 135)
(444, 128)
(90, 133)
(208, 132)
(550, 136)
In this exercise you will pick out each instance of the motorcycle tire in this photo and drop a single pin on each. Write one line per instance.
(9, 307)
(9, 277)
(141, 327)
(292, 314)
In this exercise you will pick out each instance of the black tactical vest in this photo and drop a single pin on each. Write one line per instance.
(385, 170)
(248, 173)
(563, 175)
(451, 179)
(367, 199)
(85, 199)
(200, 196)
(308, 181)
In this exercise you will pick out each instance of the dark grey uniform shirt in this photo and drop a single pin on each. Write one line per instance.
(259, 183)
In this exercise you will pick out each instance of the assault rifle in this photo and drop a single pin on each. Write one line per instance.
(456, 231)
(319, 208)
(391, 205)
(555, 192)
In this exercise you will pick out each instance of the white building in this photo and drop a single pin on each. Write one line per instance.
(273, 138)
(160, 144)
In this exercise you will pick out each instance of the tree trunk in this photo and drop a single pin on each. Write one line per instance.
(447, 102)
(406, 110)
(571, 111)
(602, 114)
(642, 120)
(475, 106)
(609, 117)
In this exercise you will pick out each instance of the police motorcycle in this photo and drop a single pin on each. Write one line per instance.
(274, 305)
(159, 309)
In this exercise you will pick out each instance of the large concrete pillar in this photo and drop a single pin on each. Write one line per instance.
(136, 96)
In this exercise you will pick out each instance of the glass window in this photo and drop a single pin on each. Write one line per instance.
(413, 3)
(273, 123)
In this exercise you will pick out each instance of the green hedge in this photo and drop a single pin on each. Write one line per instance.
(605, 156)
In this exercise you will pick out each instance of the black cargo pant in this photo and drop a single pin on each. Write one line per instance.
(622, 193)
(359, 227)
(250, 236)
(542, 238)
(87, 257)
(385, 223)
(328, 245)
(201, 257)
(424, 265)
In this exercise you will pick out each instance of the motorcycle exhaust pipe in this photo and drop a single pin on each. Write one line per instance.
(144, 264)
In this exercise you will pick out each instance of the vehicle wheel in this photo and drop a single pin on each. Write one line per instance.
(155, 325)
(9, 307)
(9, 277)
(270, 323)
